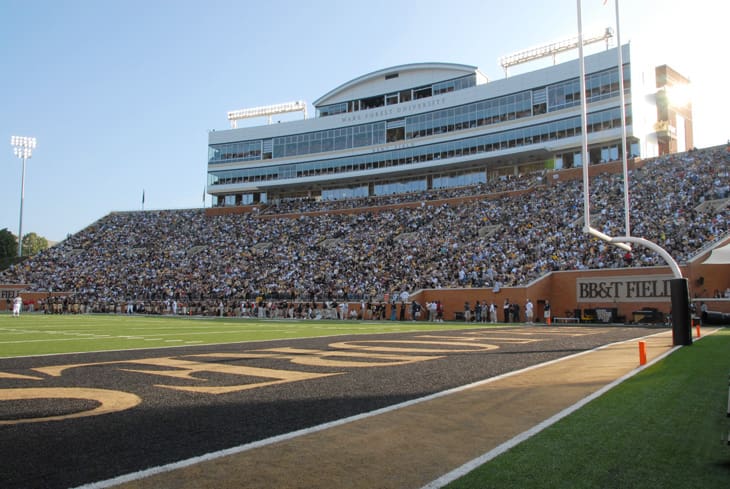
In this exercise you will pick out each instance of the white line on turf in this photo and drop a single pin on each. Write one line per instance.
(495, 452)
(122, 479)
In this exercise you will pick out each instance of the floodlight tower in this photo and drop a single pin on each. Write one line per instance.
(23, 148)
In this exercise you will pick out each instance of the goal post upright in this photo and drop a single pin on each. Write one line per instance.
(681, 327)
(587, 228)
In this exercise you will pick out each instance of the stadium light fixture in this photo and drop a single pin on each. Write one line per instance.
(266, 110)
(23, 147)
(552, 49)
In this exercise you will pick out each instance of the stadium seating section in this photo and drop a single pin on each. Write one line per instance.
(505, 233)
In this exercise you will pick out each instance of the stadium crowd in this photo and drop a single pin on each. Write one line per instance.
(229, 261)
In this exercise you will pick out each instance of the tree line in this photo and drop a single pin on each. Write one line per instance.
(32, 245)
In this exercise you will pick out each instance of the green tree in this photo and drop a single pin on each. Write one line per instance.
(8, 244)
(33, 244)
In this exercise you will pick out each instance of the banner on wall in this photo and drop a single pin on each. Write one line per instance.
(644, 288)
(9, 291)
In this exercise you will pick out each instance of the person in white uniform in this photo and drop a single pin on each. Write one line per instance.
(17, 306)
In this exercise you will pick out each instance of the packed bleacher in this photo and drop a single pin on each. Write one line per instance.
(678, 201)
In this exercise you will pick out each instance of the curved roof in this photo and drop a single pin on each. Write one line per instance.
(406, 76)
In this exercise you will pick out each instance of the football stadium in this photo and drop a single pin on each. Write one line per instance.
(425, 184)
(397, 292)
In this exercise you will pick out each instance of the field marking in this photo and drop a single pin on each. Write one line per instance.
(50, 340)
(233, 332)
(142, 474)
(153, 337)
(387, 328)
(495, 452)
(45, 331)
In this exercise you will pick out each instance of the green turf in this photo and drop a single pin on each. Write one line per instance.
(37, 334)
(660, 429)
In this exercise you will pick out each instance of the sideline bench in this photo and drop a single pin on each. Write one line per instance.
(566, 320)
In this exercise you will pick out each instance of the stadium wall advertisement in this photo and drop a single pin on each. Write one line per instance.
(623, 289)
(10, 291)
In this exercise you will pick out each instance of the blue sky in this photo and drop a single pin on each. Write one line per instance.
(121, 94)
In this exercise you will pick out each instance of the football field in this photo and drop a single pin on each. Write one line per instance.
(95, 401)
(38, 334)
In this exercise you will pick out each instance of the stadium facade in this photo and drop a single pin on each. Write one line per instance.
(429, 126)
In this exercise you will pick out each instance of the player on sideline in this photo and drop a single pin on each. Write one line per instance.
(529, 311)
(17, 305)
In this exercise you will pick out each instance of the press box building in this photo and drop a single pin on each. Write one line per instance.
(426, 126)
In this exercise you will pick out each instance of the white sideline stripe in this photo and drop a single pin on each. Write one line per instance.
(133, 476)
(196, 342)
(44, 341)
(499, 450)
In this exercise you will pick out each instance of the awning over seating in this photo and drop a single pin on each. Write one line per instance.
(719, 256)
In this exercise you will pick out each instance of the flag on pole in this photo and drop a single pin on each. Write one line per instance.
(142, 196)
